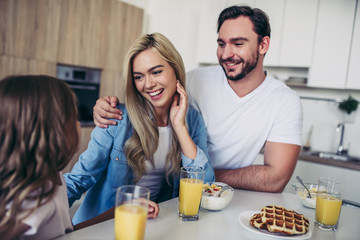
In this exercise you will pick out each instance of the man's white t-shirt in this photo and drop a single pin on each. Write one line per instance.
(238, 127)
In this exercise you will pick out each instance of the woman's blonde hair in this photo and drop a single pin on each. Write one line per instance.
(37, 120)
(145, 139)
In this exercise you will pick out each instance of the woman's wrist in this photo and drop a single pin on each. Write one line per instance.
(180, 129)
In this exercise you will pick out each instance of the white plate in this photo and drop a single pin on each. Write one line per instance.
(244, 219)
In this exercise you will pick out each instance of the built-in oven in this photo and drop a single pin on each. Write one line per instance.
(85, 82)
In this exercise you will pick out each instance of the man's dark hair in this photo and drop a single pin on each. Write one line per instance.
(259, 19)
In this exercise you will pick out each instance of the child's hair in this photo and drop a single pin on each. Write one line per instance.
(38, 137)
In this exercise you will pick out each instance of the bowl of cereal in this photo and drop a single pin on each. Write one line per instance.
(302, 194)
(216, 196)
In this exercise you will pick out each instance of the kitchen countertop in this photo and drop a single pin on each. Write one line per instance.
(304, 156)
(225, 224)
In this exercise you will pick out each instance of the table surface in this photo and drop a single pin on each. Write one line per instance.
(225, 224)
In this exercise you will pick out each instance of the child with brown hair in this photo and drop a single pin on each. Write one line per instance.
(39, 134)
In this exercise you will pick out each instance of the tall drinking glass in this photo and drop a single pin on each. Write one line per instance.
(191, 184)
(328, 203)
(131, 212)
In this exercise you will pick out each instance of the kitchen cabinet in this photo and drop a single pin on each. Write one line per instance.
(298, 33)
(332, 44)
(119, 41)
(80, 31)
(353, 79)
(36, 35)
(23, 66)
(114, 86)
(18, 28)
(89, 33)
(29, 28)
(310, 172)
(207, 33)
(97, 33)
(41, 67)
(292, 31)
(11, 65)
(45, 29)
(275, 11)
(2, 26)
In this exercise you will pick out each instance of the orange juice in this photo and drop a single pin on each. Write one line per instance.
(190, 196)
(327, 209)
(130, 221)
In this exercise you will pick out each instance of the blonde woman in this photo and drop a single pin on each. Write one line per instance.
(158, 134)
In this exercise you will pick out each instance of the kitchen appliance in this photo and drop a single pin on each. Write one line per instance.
(85, 82)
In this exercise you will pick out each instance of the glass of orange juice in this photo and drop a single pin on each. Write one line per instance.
(328, 203)
(131, 212)
(191, 185)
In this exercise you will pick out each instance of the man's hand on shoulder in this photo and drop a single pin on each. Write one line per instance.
(105, 109)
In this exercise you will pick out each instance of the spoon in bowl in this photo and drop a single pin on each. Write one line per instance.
(301, 182)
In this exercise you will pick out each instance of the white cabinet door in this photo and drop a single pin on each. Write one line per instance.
(332, 43)
(292, 25)
(207, 34)
(353, 80)
(310, 172)
(207, 30)
(275, 10)
(298, 32)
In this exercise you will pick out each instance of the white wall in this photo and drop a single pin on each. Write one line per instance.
(179, 20)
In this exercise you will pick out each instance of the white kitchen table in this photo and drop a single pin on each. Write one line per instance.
(225, 224)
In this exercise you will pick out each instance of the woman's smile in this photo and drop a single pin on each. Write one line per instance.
(156, 94)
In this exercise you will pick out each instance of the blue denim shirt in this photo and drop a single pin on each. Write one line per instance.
(102, 168)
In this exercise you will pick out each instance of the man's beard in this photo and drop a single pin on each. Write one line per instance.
(248, 67)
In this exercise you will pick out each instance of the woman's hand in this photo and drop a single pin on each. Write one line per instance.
(177, 117)
(179, 107)
(153, 209)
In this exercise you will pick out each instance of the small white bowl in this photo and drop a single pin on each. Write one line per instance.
(217, 202)
(302, 194)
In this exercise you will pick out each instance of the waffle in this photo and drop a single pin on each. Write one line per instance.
(280, 220)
